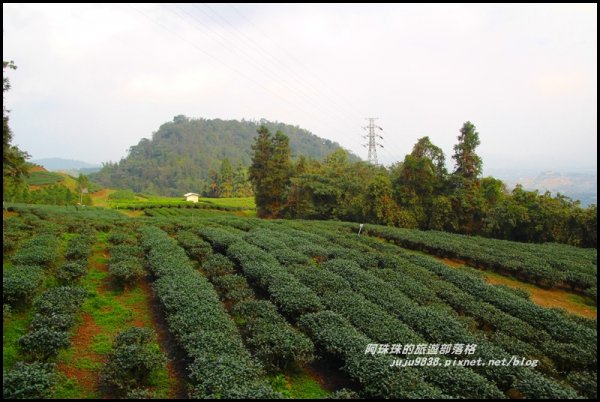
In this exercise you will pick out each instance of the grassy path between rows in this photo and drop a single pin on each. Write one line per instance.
(107, 311)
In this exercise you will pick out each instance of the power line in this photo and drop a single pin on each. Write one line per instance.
(331, 105)
(297, 102)
(233, 46)
(323, 87)
(235, 70)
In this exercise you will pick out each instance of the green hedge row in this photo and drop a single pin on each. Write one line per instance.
(546, 265)
(286, 292)
(55, 312)
(218, 364)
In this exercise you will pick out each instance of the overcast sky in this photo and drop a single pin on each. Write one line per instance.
(93, 80)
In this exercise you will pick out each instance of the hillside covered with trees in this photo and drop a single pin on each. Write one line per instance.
(184, 154)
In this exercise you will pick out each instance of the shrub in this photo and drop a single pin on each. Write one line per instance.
(44, 342)
(120, 238)
(286, 291)
(20, 283)
(40, 250)
(70, 272)
(132, 360)
(233, 287)
(217, 265)
(54, 309)
(273, 341)
(194, 245)
(6, 311)
(29, 381)
(79, 248)
(127, 271)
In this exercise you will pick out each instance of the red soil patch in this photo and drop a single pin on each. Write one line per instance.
(81, 341)
(101, 193)
(8, 214)
(36, 168)
(454, 263)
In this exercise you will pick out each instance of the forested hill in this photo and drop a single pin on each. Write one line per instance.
(181, 154)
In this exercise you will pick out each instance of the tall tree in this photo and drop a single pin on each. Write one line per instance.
(260, 174)
(270, 172)
(14, 165)
(424, 148)
(259, 170)
(468, 163)
(225, 179)
(280, 171)
(242, 187)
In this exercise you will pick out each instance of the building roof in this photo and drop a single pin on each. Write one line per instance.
(188, 194)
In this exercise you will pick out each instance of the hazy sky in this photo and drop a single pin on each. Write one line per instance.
(93, 80)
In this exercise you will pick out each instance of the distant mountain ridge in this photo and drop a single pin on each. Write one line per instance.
(578, 186)
(181, 155)
(57, 164)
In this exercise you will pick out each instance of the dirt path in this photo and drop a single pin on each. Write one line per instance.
(82, 362)
(83, 372)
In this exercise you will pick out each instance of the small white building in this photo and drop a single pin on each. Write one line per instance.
(193, 197)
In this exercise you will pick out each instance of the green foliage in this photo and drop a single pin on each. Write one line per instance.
(20, 283)
(274, 342)
(79, 247)
(335, 335)
(40, 178)
(71, 272)
(49, 327)
(29, 381)
(44, 342)
(415, 193)
(228, 182)
(341, 290)
(547, 265)
(126, 272)
(134, 357)
(468, 163)
(122, 195)
(217, 265)
(270, 171)
(52, 195)
(140, 393)
(6, 311)
(125, 265)
(40, 250)
(14, 167)
(233, 288)
(194, 245)
(287, 292)
(118, 237)
(219, 364)
(585, 382)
